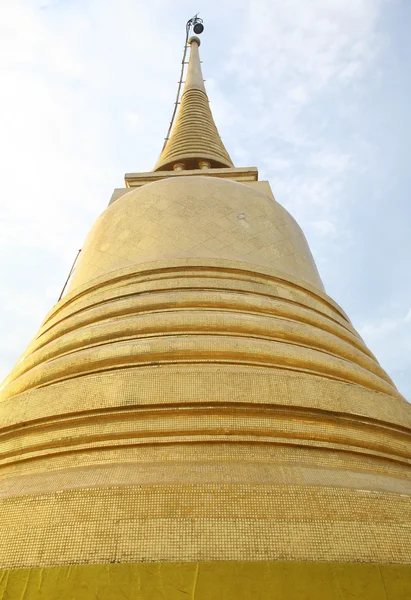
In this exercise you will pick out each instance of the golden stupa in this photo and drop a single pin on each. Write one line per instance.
(196, 418)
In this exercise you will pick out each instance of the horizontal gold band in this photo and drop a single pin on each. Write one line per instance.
(189, 349)
(191, 522)
(210, 580)
(235, 270)
(180, 423)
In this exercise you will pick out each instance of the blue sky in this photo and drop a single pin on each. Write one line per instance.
(314, 93)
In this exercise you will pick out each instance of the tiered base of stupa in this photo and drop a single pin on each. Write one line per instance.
(217, 428)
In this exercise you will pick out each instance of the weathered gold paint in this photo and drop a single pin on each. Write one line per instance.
(208, 581)
(198, 398)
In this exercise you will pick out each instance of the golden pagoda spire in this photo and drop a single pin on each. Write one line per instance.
(196, 417)
(194, 142)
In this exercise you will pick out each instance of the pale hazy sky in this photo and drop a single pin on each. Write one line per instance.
(315, 93)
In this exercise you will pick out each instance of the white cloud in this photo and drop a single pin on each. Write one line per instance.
(288, 56)
(277, 163)
(325, 228)
(389, 337)
(332, 162)
(305, 47)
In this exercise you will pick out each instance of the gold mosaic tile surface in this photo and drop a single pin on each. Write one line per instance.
(192, 406)
(195, 217)
(206, 522)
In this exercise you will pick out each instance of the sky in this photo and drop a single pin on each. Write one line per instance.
(315, 93)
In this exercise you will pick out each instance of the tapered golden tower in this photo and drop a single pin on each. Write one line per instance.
(196, 418)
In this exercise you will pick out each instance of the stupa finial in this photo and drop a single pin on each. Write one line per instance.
(194, 142)
(194, 77)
